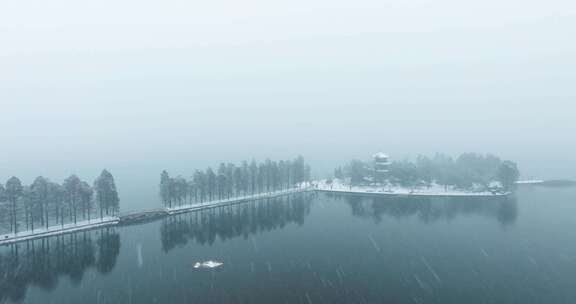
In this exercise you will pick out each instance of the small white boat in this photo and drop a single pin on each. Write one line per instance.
(208, 264)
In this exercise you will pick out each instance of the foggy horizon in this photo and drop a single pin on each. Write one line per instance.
(190, 83)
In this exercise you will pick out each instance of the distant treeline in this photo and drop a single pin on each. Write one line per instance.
(469, 171)
(45, 203)
(248, 178)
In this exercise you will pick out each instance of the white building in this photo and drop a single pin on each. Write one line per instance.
(381, 166)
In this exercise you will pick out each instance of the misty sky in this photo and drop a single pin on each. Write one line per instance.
(155, 84)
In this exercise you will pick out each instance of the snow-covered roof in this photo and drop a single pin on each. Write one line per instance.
(380, 155)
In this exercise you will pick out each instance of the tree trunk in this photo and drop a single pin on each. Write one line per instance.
(15, 219)
(46, 215)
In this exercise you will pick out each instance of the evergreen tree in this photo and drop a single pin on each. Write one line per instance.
(404, 174)
(338, 173)
(356, 172)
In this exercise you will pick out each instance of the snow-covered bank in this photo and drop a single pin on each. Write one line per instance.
(58, 229)
(548, 183)
(433, 190)
(530, 182)
(137, 216)
(234, 200)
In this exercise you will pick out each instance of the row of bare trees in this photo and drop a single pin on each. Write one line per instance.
(45, 203)
(248, 178)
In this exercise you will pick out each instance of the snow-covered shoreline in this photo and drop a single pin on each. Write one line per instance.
(530, 182)
(10, 238)
(432, 191)
(58, 229)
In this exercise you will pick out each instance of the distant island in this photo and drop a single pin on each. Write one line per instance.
(469, 174)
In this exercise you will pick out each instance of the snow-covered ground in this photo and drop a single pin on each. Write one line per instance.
(58, 229)
(211, 204)
(433, 190)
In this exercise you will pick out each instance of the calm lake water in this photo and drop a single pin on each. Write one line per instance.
(315, 248)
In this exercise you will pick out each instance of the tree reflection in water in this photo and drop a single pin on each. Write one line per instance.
(41, 262)
(234, 220)
(432, 209)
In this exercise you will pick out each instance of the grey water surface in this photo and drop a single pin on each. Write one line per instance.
(315, 248)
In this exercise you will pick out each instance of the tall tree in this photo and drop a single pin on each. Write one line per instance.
(238, 181)
(192, 190)
(29, 207)
(2, 200)
(106, 194)
(261, 177)
(72, 188)
(56, 198)
(211, 182)
(200, 182)
(165, 187)
(508, 175)
(404, 173)
(253, 176)
(231, 181)
(180, 189)
(245, 177)
(13, 193)
(357, 172)
(39, 190)
(221, 181)
(86, 194)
